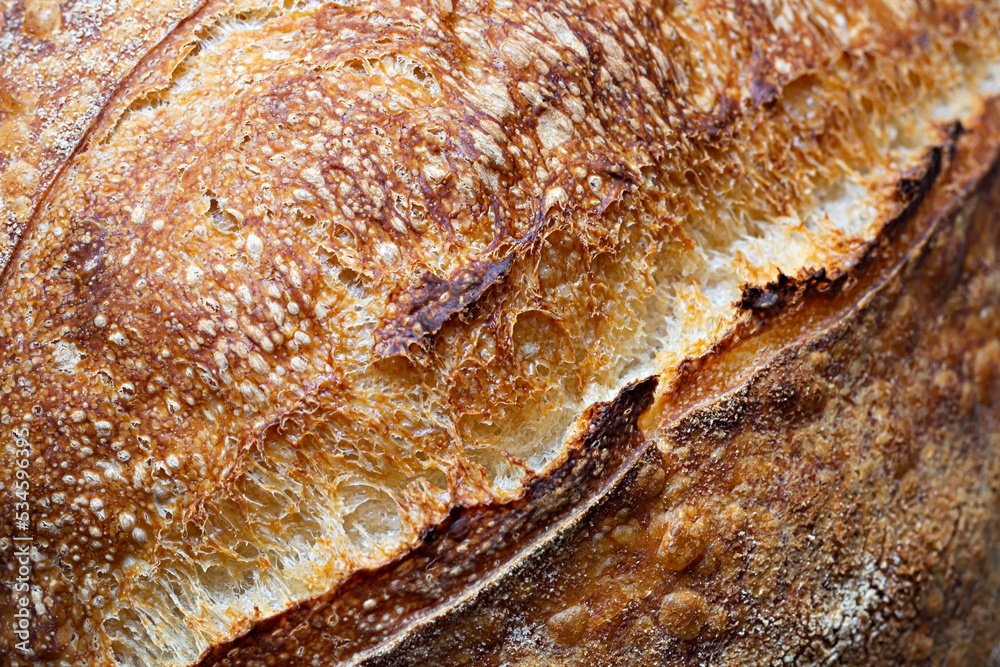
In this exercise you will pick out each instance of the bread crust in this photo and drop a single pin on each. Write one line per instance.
(803, 562)
(349, 333)
(832, 570)
(62, 62)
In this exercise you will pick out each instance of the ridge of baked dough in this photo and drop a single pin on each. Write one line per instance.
(464, 588)
(305, 289)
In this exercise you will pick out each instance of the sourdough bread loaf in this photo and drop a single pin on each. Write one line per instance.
(404, 332)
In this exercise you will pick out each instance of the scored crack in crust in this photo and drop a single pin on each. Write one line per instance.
(329, 290)
(839, 507)
(646, 537)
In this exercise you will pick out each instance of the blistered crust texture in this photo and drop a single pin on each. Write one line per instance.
(840, 508)
(322, 277)
(60, 62)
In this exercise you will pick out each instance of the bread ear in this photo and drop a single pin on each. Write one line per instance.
(740, 481)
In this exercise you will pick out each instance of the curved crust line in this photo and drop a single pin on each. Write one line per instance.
(857, 305)
(882, 260)
(81, 145)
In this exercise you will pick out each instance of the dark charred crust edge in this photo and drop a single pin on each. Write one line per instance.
(752, 401)
(444, 572)
(749, 401)
(897, 240)
(786, 292)
(417, 313)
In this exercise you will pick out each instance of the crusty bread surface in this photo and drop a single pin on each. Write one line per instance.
(405, 332)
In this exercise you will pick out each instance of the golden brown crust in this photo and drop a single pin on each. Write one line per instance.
(851, 489)
(62, 62)
(630, 584)
(327, 282)
(848, 492)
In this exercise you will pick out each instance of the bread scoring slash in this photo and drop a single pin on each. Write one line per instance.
(325, 326)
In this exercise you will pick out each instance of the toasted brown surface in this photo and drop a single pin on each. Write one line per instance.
(839, 507)
(61, 62)
(334, 295)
